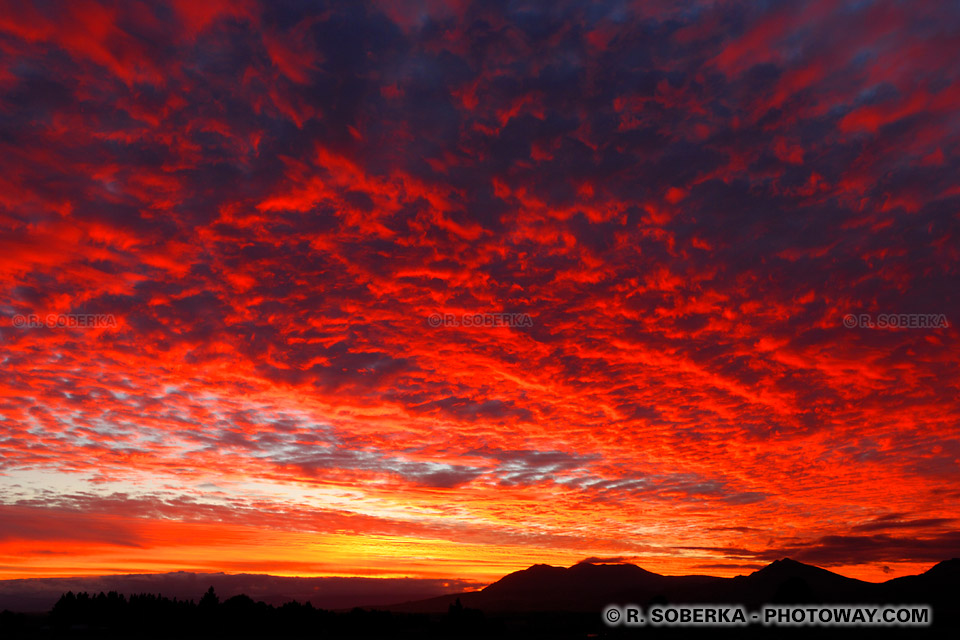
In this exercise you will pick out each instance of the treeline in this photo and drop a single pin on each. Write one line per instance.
(155, 616)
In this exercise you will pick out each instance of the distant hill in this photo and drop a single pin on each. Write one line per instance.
(40, 594)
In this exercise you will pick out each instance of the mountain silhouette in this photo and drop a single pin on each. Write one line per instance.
(589, 587)
(582, 587)
(787, 581)
(938, 586)
(539, 602)
(560, 582)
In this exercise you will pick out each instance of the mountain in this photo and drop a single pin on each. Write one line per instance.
(941, 578)
(582, 587)
(787, 581)
(939, 587)
(559, 584)
(588, 587)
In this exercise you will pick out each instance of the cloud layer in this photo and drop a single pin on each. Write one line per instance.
(688, 203)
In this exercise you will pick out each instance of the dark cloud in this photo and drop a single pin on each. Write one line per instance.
(611, 560)
(837, 550)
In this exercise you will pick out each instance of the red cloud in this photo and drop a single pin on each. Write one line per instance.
(290, 213)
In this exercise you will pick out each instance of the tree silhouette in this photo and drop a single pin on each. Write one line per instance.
(210, 600)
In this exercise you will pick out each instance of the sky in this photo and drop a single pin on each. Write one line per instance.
(712, 248)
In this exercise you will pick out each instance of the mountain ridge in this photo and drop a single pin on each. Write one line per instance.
(585, 586)
(579, 588)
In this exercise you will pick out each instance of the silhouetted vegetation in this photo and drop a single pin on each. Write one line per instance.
(155, 616)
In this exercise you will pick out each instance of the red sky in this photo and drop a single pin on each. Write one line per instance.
(271, 200)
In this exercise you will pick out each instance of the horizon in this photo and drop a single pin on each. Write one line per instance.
(726, 571)
(341, 593)
(444, 290)
(590, 561)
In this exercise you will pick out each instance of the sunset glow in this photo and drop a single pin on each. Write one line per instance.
(681, 227)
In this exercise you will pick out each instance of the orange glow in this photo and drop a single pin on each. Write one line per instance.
(427, 291)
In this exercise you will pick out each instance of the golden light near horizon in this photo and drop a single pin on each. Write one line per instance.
(446, 290)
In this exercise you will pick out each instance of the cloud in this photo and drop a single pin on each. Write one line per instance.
(612, 560)
(686, 201)
(894, 521)
(835, 550)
